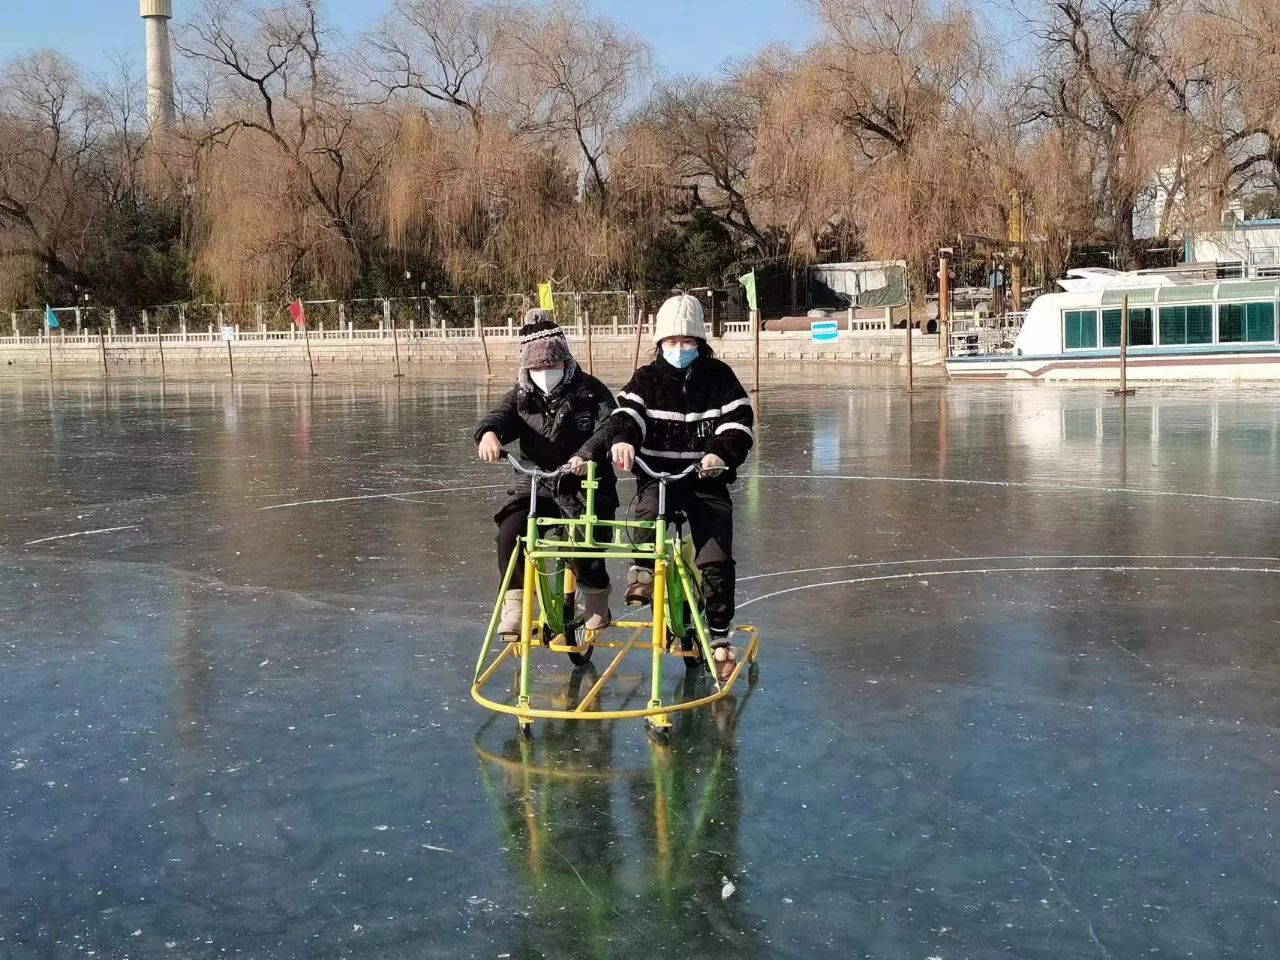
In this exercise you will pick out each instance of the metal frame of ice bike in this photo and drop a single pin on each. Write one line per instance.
(547, 576)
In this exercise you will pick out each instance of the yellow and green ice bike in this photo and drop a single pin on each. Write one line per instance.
(678, 627)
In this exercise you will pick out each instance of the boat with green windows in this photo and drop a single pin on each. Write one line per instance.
(1180, 328)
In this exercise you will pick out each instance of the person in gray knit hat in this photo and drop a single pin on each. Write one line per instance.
(551, 411)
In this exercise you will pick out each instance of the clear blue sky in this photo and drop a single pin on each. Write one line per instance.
(688, 36)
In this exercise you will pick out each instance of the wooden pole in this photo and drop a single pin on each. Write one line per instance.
(395, 339)
(160, 340)
(48, 335)
(911, 370)
(306, 338)
(484, 345)
(1124, 345)
(590, 365)
(944, 296)
(231, 364)
(1124, 390)
(1016, 238)
(635, 361)
(102, 344)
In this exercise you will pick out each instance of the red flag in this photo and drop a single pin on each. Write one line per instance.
(298, 313)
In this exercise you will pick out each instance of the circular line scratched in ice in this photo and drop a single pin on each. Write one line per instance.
(1019, 484)
(394, 495)
(1221, 558)
(916, 575)
(823, 477)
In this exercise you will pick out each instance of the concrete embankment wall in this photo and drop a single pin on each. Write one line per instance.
(80, 355)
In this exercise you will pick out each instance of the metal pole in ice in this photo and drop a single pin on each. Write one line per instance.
(911, 370)
(1124, 390)
(395, 341)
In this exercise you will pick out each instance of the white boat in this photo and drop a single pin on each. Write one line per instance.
(1180, 328)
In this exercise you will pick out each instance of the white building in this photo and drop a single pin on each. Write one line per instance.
(1239, 247)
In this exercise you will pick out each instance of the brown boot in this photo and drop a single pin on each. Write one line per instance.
(595, 607)
(639, 586)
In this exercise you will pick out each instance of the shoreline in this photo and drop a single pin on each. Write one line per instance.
(84, 354)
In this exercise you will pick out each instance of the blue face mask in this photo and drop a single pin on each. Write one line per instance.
(679, 357)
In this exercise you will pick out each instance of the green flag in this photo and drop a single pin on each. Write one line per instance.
(748, 282)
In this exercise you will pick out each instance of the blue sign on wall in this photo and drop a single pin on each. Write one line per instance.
(824, 331)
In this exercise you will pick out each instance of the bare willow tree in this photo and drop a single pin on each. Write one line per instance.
(880, 139)
(896, 69)
(1238, 110)
(492, 143)
(706, 134)
(292, 159)
(52, 130)
(1113, 77)
(578, 78)
(508, 166)
(448, 53)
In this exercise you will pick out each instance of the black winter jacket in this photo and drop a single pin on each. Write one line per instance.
(673, 417)
(551, 429)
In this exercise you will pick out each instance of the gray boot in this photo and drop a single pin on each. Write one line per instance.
(512, 608)
(639, 586)
(595, 607)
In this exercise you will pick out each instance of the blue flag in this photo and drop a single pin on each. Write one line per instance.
(50, 318)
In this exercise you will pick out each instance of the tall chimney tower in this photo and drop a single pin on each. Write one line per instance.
(157, 14)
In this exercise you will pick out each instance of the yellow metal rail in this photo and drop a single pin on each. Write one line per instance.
(749, 652)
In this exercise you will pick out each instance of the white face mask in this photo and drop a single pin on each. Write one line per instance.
(547, 380)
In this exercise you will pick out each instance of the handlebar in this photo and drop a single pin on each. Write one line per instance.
(667, 476)
(534, 471)
(540, 474)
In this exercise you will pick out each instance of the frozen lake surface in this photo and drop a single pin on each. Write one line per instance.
(1018, 696)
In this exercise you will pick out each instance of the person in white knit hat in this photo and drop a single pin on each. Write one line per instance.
(685, 406)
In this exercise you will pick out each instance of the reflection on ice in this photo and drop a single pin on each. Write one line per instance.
(604, 840)
(238, 622)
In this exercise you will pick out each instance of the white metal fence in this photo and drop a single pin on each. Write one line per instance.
(496, 313)
(320, 332)
(448, 316)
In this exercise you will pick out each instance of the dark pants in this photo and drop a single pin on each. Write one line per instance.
(709, 510)
(511, 526)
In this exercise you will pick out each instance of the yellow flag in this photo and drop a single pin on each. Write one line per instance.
(544, 296)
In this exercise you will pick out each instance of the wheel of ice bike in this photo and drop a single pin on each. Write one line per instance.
(680, 627)
(558, 607)
(679, 620)
(574, 635)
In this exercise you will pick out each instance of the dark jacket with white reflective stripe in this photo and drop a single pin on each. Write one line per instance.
(551, 428)
(673, 417)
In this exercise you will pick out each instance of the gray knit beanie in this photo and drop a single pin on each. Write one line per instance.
(542, 343)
